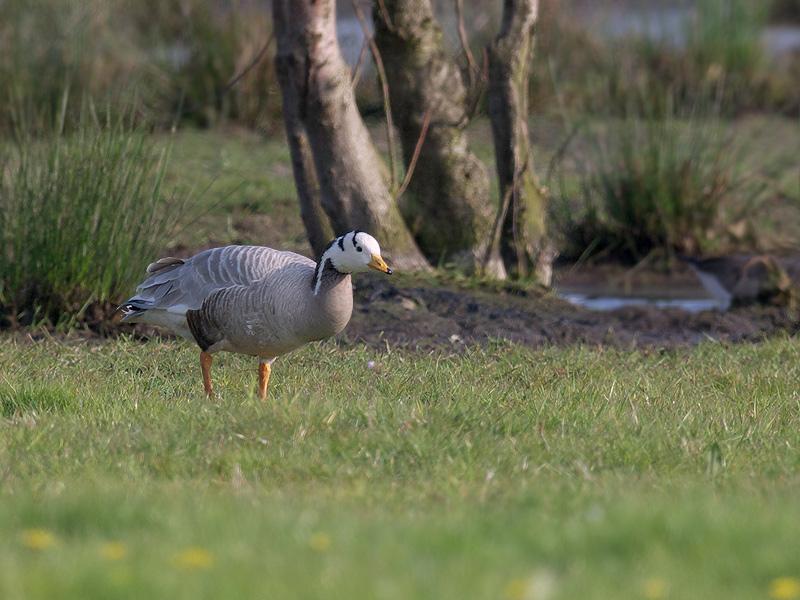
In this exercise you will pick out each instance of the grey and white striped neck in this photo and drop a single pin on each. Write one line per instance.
(326, 276)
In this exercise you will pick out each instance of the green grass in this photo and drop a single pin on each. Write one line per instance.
(497, 474)
(56, 48)
(200, 47)
(716, 53)
(242, 171)
(726, 34)
(679, 183)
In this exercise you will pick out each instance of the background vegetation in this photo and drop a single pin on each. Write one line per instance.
(174, 63)
(170, 61)
(498, 472)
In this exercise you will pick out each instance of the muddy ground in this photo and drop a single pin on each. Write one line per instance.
(401, 313)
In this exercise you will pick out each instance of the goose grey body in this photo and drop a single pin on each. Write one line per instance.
(275, 314)
(245, 299)
(254, 300)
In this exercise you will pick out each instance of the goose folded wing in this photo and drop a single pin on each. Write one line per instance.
(180, 285)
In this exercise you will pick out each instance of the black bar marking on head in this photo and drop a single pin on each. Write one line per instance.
(355, 233)
(341, 243)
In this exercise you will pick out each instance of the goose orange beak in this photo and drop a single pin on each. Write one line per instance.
(379, 264)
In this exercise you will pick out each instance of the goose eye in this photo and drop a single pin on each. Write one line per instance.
(359, 248)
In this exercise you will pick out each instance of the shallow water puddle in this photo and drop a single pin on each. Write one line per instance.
(606, 303)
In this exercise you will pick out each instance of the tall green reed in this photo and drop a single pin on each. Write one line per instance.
(168, 60)
(84, 48)
(726, 34)
(81, 214)
(660, 180)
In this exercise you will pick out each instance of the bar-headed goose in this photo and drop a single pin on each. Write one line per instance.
(254, 300)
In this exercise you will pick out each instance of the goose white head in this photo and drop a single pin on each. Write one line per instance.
(353, 252)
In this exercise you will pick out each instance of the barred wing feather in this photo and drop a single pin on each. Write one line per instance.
(177, 285)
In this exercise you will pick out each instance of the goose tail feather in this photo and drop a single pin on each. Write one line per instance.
(134, 308)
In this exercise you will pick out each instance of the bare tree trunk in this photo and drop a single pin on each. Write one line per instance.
(523, 244)
(447, 207)
(349, 170)
(317, 225)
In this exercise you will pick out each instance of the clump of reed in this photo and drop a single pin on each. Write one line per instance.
(655, 179)
(81, 214)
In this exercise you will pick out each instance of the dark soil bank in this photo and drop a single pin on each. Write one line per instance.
(425, 316)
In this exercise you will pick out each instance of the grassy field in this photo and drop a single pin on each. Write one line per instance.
(500, 473)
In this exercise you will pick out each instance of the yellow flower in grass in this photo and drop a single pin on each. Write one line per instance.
(784, 588)
(320, 542)
(654, 589)
(194, 558)
(516, 589)
(539, 585)
(38, 539)
(113, 551)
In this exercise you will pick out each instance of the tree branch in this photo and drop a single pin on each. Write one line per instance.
(385, 16)
(558, 155)
(256, 59)
(502, 211)
(472, 66)
(359, 63)
(387, 107)
(476, 92)
(426, 121)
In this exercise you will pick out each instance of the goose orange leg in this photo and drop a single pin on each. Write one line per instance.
(264, 370)
(205, 366)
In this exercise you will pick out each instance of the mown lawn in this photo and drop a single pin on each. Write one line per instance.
(501, 473)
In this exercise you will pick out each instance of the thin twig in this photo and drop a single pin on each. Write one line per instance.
(476, 91)
(472, 66)
(559, 154)
(256, 59)
(385, 16)
(359, 63)
(502, 212)
(423, 132)
(387, 107)
(497, 228)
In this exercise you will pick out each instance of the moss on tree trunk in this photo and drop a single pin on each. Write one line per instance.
(523, 245)
(447, 205)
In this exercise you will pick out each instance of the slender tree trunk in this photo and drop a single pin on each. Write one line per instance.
(523, 244)
(349, 170)
(447, 205)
